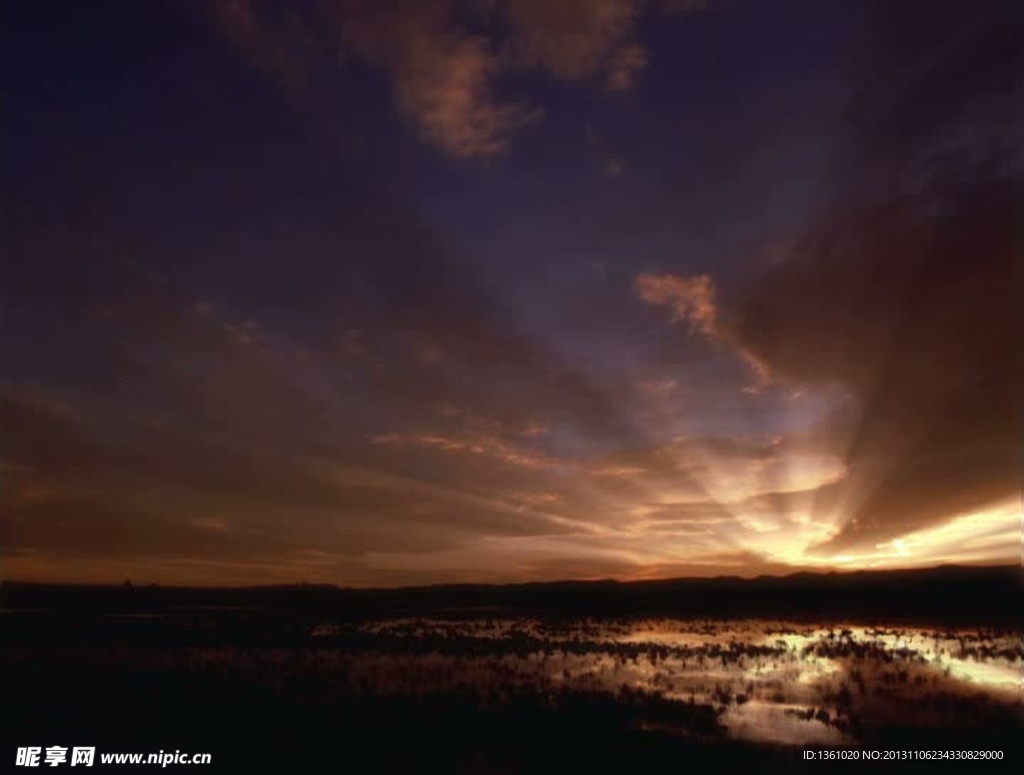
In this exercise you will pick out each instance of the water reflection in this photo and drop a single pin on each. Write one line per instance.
(792, 683)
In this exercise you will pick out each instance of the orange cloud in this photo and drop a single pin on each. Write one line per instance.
(474, 445)
(572, 39)
(442, 72)
(692, 300)
(688, 298)
(625, 66)
(443, 83)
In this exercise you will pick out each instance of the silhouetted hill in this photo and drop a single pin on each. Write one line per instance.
(952, 594)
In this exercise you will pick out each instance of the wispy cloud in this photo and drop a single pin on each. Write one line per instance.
(691, 300)
(490, 446)
(444, 74)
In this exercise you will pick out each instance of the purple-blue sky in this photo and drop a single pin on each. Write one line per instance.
(421, 291)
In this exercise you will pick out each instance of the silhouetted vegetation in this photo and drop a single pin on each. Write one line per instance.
(269, 678)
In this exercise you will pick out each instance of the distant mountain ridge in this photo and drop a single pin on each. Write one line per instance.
(984, 594)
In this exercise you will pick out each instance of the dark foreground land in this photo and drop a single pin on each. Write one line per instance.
(654, 677)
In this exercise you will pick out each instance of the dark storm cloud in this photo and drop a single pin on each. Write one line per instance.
(907, 290)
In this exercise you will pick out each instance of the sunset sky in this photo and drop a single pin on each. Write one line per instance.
(417, 291)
